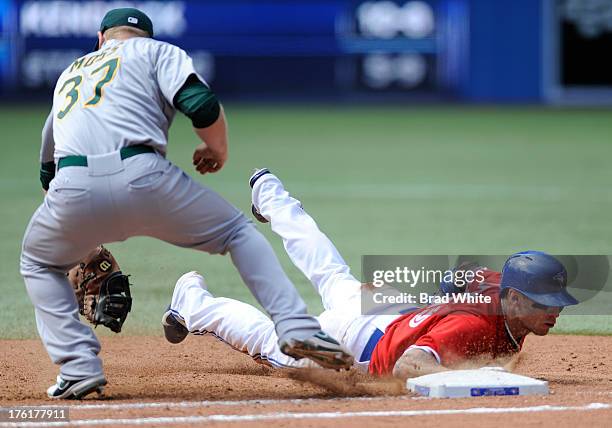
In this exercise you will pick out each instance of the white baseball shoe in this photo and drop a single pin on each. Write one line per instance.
(76, 389)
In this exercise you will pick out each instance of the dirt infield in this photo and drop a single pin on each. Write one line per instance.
(202, 381)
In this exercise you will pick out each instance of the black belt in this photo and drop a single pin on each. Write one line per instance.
(126, 152)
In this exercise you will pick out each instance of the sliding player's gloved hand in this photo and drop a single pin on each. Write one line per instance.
(103, 292)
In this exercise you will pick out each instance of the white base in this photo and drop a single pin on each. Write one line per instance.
(476, 383)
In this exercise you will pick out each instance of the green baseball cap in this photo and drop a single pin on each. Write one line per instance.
(126, 16)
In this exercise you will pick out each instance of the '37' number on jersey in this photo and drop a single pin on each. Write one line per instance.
(108, 70)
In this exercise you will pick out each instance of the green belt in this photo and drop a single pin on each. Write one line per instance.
(126, 152)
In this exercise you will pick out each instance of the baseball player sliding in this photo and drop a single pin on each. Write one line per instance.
(526, 297)
(103, 163)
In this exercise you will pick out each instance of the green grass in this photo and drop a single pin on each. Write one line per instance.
(447, 180)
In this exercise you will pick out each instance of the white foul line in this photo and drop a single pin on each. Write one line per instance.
(194, 404)
(304, 415)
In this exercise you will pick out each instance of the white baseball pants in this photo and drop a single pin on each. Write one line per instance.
(247, 329)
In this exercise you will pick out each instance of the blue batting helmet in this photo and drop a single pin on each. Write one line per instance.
(539, 276)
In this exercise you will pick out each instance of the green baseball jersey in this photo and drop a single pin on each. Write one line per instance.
(118, 96)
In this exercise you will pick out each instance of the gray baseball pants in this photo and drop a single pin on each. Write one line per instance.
(145, 195)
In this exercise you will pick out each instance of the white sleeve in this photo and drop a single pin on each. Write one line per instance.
(172, 67)
(47, 147)
(427, 349)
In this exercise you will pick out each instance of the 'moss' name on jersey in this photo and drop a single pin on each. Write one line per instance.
(452, 332)
(118, 96)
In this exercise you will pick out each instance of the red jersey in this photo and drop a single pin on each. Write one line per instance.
(452, 332)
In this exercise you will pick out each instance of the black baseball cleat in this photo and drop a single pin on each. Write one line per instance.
(76, 389)
(320, 348)
(257, 174)
(258, 215)
(174, 330)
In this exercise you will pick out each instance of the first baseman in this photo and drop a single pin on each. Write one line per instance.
(526, 297)
(103, 163)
